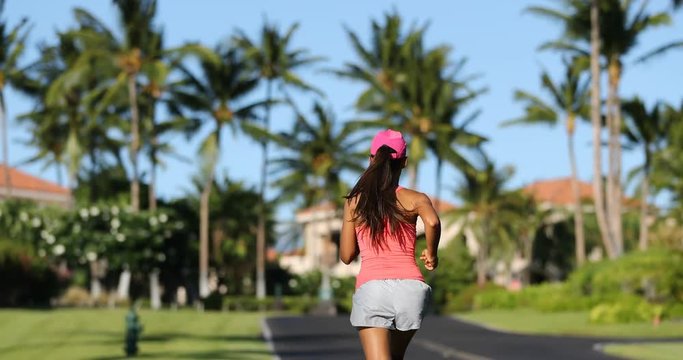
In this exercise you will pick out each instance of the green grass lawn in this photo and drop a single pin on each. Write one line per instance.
(652, 351)
(98, 334)
(568, 323)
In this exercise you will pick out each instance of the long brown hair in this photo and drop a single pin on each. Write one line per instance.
(377, 205)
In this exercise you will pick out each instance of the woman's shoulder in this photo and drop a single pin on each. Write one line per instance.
(411, 193)
(412, 198)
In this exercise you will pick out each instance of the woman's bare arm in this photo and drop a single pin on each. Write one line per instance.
(425, 210)
(348, 247)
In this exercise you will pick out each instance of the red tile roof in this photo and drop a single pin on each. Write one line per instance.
(24, 181)
(558, 191)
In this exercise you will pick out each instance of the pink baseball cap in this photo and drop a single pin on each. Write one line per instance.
(392, 139)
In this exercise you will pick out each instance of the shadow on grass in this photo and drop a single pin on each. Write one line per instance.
(232, 354)
(229, 354)
(116, 337)
(165, 337)
(313, 337)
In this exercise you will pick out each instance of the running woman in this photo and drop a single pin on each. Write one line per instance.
(379, 224)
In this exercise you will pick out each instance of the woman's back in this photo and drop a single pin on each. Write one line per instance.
(394, 256)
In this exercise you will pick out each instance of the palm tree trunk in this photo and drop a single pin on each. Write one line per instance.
(412, 173)
(153, 161)
(619, 190)
(578, 208)
(204, 234)
(529, 256)
(93, 173)
(74, 157)
(481, 265)
(614, 175)
(261, 229)
(482, 253)
(204, 241)
(152, 187)
(135, 143)
(644, 194)
(5, 147)
(439, 168)
(58, 170)
(599, 202)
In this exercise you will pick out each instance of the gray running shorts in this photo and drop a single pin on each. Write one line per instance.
(395, 304)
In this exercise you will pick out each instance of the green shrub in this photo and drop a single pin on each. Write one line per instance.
(495, 299)
(674, 311)
(454, 275)
(553, 297)
(27, 280)
(343, 289)
(213, 302)
(626, 310)
(306, 284)
(299, 304)
(656, 275)
(464, 300)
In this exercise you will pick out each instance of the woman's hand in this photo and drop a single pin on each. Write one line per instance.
(431, 261)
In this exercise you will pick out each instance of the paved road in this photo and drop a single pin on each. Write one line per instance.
(310, 337)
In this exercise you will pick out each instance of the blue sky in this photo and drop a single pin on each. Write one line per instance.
(498, 39)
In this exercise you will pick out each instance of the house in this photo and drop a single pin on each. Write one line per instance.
(28, 187)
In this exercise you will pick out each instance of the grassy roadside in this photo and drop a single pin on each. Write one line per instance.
(98, 334)
(649, 351)
(529, 321)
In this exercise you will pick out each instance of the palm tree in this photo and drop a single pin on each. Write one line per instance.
(157, 88)
(156, 130)
(128, 53)
(319, 152)
(391, 67)
(216, 93)
(12, 43)
(48, 136)
(382, 61)
(429, 100)
(276, 63)
(569, 101)
(410, 88)
(66, 91)
(449, 135)
(668, 162)
(646, 129)
(618, 26)
(488, 211)
(49, 132)
(596, 123)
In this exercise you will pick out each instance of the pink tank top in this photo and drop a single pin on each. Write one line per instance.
(391, 261)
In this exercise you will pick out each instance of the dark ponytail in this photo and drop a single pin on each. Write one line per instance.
(377, 206)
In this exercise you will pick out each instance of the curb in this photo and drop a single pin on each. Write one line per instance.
(268, 337)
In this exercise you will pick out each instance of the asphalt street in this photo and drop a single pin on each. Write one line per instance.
(318, 337)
